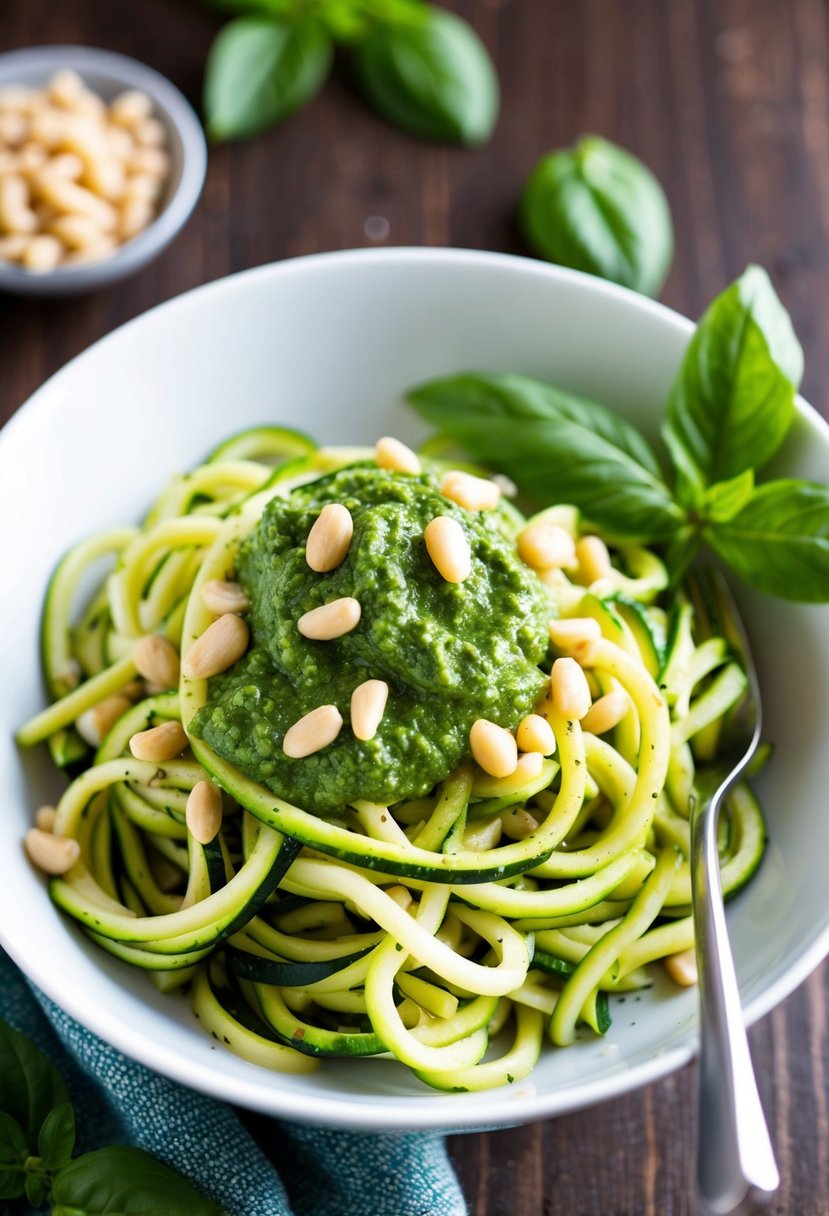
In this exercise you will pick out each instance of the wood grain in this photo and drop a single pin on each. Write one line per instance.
(728, 101)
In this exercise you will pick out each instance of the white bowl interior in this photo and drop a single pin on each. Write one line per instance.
(329, 344)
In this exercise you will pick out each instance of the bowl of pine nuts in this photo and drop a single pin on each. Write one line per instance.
(102, 160)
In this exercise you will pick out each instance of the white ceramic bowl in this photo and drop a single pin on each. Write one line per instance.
(328, 344)
(108, 74)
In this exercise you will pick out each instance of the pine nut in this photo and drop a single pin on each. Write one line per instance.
(105, 175)
(218, 648)
(572, 632)
(536, 735)
(606, 712)
(203, 813)
(329, 538)
(148, 160)
(15, 213)
(546, 546)
(95, 724)
(330, 621)
(401, 896)
(519, 823)
(14, 127)
(448, 548)
(368, 704)
(569, 690)
(91, 253)
(593, 558)
(220, 597)
(313, 732)
(130, 108)
(65, 88)
(163, 742)
(143, 185)
(51, 854)
(42, 253)
(67, 165)
(157, 660)
(150, 133)
(76, 231)
(470, 492)
(682, 967)
(45, 818)
(120, 143)
(69, 196)
(529, 766)
(493, 748)
(394, 455)
(12, 248)
(31, 158)
(505, 484)
(134, 215)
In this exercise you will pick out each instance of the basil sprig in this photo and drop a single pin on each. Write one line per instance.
(421, 68)
(596, 208)
(729, 410)
(37, 1139)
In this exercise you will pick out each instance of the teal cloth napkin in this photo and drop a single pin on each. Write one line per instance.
(308, 1171)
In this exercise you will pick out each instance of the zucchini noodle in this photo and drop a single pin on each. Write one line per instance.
(456, 931)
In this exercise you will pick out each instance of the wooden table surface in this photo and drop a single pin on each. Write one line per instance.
(728, 101)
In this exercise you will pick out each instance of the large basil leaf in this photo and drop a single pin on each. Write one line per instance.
(431, 75)
(30, 1085)
(259, 71)
(13, 1152)
(597, 208)
(732, 402)
(557, 447)
(56, 1139)
(124, 1181)
(779, 541)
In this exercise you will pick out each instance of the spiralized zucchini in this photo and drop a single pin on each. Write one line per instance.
(454, 932)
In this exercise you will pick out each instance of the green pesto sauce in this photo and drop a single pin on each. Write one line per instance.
(450, 653)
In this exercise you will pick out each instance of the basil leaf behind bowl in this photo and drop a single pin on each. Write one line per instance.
(30, 1085)
(732, 402)
(125, 1181)
(557, 447)
(261, 70)
(431, 75)
(596, 208)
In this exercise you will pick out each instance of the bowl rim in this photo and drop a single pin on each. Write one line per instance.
(327, 1110)
(177, 112)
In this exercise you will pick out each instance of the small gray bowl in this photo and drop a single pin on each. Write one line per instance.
(108, 74)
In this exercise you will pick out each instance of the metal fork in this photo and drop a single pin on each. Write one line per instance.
(736, 1169)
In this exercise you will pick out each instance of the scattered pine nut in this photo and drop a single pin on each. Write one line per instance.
(218, 648)
(203, 812)
(682, 967)
(94, 725)
(219, 596)
(529, 766)
(606, 712)
(493, 748)
(42, 253)
(392, 454)
(470, 492)
(45, 818)
(313, 732)
(401, 896)
(518, 824)
(572, 632)
(569, 690)
(536, 735)
(51, 854)
(448, 548)
(368, 704)
(593, 558)
(330, 621)
(329, 539)
(163, 742)
(546, 546)
(130, 108)
(157, 660)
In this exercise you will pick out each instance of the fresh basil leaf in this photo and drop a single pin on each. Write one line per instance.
(725, 498)
(259, 71)
(57, 1136)
(597, 208)
(431, 75)
(36, 1190)
(556, 447)
(124, 1181)
(779, 541)
(30, 1085)
(13, 1152)
(732, 402)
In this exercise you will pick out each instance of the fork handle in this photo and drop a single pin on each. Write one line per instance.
(736, 1170)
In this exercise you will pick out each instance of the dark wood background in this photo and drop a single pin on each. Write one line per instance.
(728, 101)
